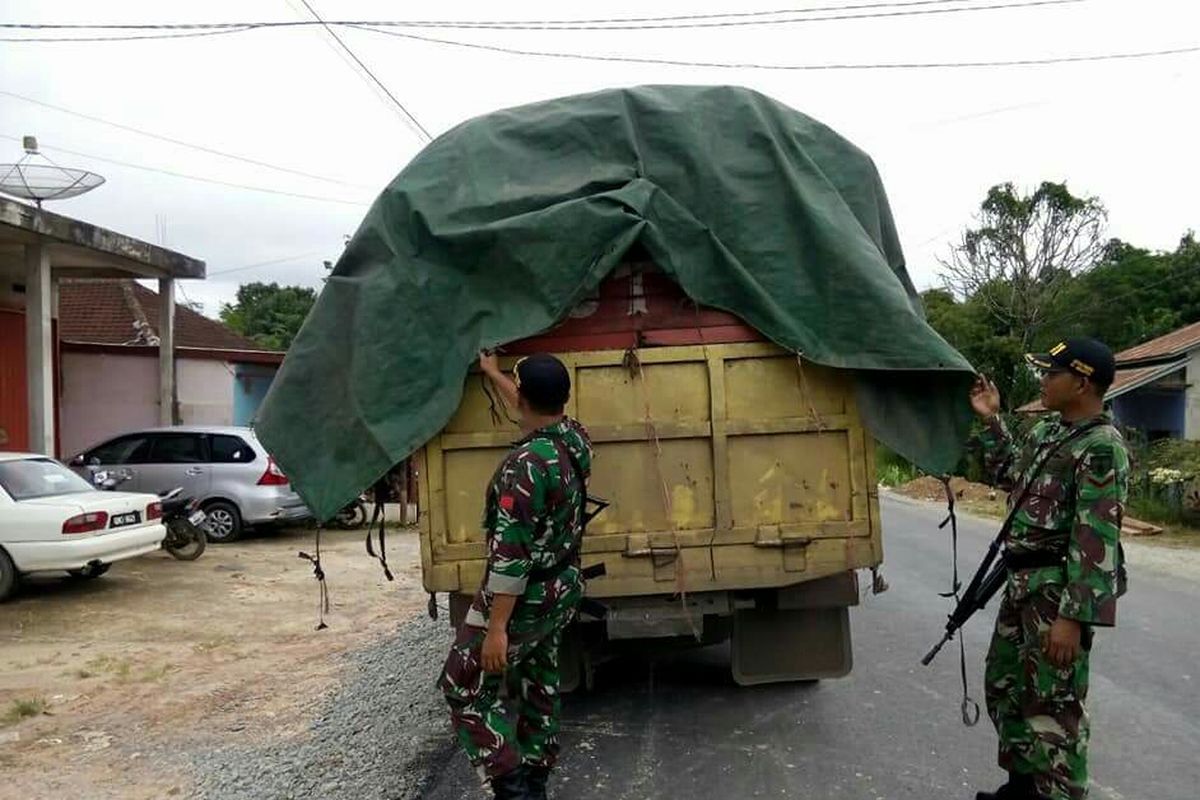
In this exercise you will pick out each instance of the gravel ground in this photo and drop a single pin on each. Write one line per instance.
(380, 735)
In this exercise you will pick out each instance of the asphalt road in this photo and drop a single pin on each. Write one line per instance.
(679, 728)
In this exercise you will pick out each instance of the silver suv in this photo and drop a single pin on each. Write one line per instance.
(227, 468)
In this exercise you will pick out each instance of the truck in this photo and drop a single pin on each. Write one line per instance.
(740, 479)
(723, 277)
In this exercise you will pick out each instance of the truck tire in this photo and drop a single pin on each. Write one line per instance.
(10, 579)
(224, 523)
(789, 645)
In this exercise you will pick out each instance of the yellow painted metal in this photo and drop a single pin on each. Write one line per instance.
(733, 466)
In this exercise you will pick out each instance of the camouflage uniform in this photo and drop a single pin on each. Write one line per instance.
(532, 520)
(1074, 511)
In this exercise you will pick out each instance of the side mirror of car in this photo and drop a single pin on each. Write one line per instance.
(77, 461)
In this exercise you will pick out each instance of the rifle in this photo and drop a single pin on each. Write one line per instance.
(990, 575)
(983, 587)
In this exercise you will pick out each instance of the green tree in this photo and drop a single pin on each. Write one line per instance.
(1007, 279)
(972, 329)
(1135, 295)
(268, 313)
(1024, 252)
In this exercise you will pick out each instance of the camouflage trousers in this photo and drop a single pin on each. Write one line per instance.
(1037, 708)
(504, 721)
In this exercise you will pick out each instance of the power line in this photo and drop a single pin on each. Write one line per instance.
(367, 70)
(180, 142)
(222, 31)
(742, 23)
(615, 25)
(265, 263)
(440, 23)
(682, 21)
(200, 178)
(669, 62)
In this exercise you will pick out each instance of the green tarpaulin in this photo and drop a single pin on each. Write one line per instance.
(500, 227)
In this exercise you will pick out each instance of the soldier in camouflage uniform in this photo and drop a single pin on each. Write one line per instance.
(1065, 569)
(501, 677)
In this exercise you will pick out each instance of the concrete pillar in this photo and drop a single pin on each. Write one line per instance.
(39, 348)
(166, 351)
(1191, 395)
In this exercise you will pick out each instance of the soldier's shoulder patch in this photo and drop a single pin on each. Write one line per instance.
(1099, 462)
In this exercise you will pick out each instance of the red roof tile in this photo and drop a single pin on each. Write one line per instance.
(106, 312)
(1174, 343)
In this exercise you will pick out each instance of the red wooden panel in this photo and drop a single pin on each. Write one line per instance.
(717, 334)
(639, 309)
(14, 401)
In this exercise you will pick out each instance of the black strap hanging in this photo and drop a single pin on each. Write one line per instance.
(495, 407)
(319, 574)
(382, 492)
(970, 707)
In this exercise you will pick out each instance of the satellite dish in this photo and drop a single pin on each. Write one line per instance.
(35, 177)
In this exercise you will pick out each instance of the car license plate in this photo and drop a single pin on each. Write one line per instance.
(197, 518)
(119, 520)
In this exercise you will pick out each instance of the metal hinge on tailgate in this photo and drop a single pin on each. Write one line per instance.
(663, 558)
(793, 548)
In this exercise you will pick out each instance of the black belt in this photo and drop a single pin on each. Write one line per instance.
(586, 605)
(1033, 560)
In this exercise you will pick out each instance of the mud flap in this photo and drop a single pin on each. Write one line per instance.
(776, 646)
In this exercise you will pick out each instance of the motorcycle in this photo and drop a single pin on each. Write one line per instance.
(352, 515)
(182, 516)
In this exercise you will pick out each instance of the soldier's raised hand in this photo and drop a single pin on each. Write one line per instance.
(488, 363)
(985, 397)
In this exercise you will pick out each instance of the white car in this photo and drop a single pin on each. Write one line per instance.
(53, 520)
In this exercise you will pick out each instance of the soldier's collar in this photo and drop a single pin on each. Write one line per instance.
(1105, 416)
(555, 428)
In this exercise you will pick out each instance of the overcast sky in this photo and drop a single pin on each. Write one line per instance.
(1123, 130)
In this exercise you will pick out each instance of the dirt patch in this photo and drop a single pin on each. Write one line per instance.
(103, 683)
(930, 488)
(975, 498)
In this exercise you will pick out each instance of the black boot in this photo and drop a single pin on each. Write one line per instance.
(511, 785)
(1018, 787)
(535, 779)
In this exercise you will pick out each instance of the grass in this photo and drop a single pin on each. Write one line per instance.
(209, 645)
(24, 709)
(122, 670)
(118, 667)
(155, 674)
(892, 469)
(1156, 510)
(994, 509)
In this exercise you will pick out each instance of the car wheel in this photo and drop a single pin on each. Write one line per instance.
(224, 523)
(10, 579)
(90, 571)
